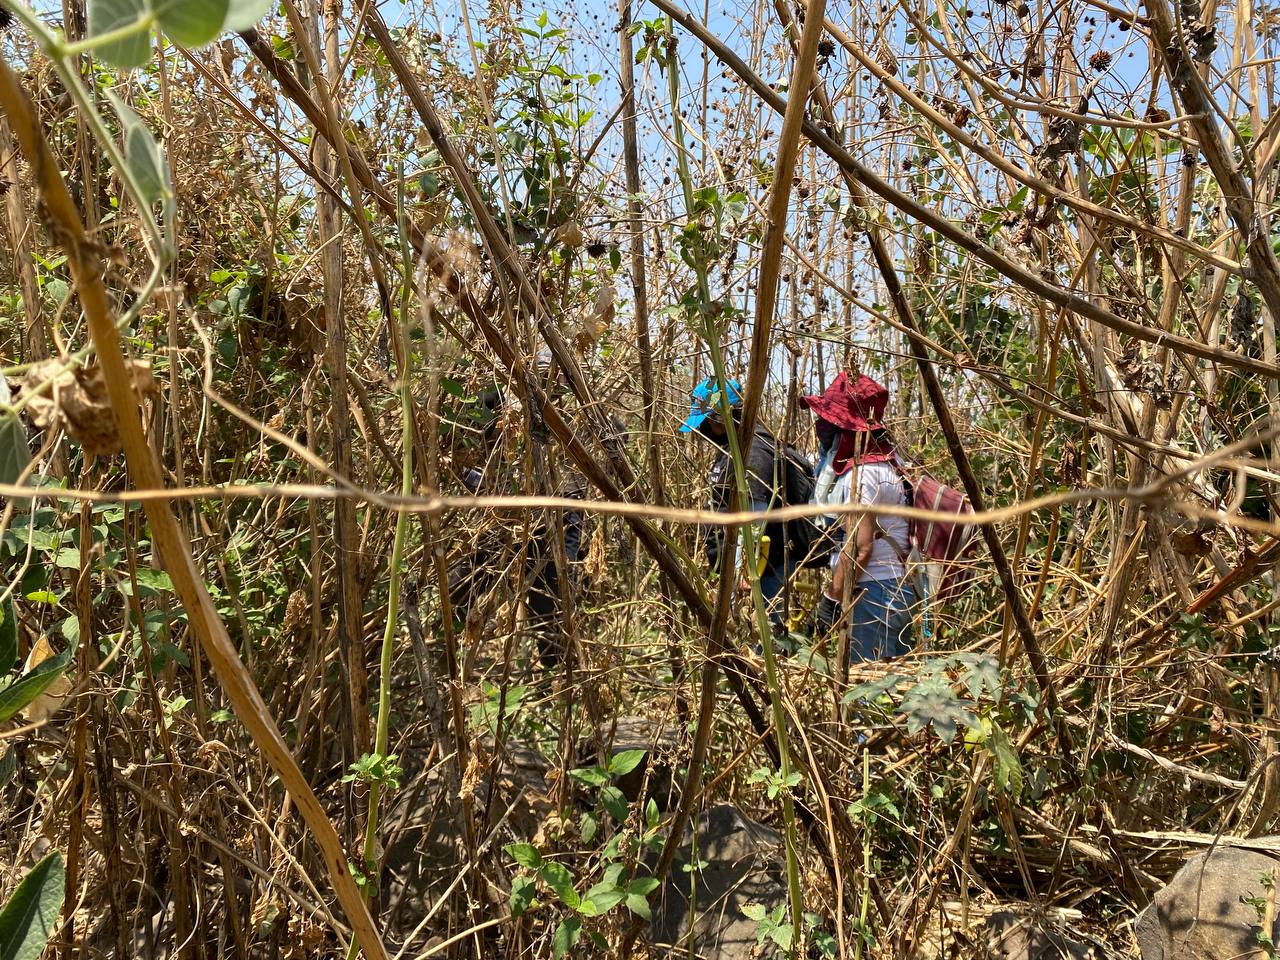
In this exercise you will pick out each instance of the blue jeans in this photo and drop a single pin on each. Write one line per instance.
(880, 626)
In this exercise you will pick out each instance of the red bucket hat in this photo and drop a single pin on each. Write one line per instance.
(857, 405)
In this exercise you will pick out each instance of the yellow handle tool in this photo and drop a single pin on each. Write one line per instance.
(762, 558)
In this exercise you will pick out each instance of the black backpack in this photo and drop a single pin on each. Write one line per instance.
(809, 539)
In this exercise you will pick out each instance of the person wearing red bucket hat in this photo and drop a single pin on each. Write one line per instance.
(857, 463)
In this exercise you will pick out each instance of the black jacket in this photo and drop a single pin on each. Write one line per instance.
(766, 485)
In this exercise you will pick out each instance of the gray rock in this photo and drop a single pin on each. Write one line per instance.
(1200, 914)
(1015, 936)
(744, 865)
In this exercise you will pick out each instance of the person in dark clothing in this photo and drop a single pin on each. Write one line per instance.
(545, 590)
(764, 476)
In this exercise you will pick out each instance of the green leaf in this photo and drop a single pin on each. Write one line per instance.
(15, 453)
(57, 290)
(8, 636)
(782, 935)
(566, 936)
(623, 763)
(525, 854)
(243, 14)
(192, 23)
(982, 674)
(932, 701)
(30, 917)
(643, 886)
(558, 878)
(638, 905)
(141, 153)
(615, 802)
(156, 580)
(15, 695)
(592, 776)
(106, 16)
(68, 558)
(873, 689)
(70, 630)
(523, 888)
(754, 911)
(1008, 768)
(601, 898)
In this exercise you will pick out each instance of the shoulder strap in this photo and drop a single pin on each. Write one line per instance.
(881, 532)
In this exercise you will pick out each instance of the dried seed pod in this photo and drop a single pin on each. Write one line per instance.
(1100, 61)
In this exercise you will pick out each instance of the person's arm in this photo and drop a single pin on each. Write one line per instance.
(864, 540)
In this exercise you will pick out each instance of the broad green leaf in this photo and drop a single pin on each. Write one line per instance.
(192, 23)
(142, 154)
(15, 695)
(592, 776)
(638, 905)
(982, 674)
(782, 935)
(68, 558)
(932, 701)
(643, 886)
(566, 936)
(15, 454)
(1008, 768)
(57, 289)
(597, 904)
(558, 878)
(154, 579)
(872, 689)
(615, 802)
(525, 854)
(243, 14)
(626, 761)
(70, 630)
(106, 16)
(601, 898)
(523, 889)
(754, 911)
(30, 917)
(8, 636)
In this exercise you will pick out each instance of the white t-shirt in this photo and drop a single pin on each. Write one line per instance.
(878, 483)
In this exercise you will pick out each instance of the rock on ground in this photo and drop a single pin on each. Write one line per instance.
(744, 865)
(1014, 936)
(1201, 914)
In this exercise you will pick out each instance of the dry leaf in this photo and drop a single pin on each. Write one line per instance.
(597, 322)
(1192, 544)
(209, 749)
(474, 773)
(50, 701)
(597, 559)
(77, 402)
(568, 234)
